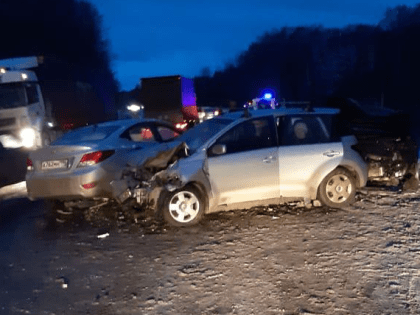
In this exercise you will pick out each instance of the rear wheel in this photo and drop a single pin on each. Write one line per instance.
(338, 189)
(56, 212)
(183, 207)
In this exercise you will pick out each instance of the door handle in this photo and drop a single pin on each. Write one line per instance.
(269, 159)
(331, 153)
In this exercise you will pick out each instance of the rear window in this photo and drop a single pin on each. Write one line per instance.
(90, 133)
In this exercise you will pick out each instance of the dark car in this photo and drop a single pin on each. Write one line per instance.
(384, 141)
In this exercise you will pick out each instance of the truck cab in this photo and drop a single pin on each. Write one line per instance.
(22, 108)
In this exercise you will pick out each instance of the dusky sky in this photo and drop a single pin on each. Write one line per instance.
(166, 37)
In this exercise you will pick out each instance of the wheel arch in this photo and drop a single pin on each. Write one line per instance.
(160, 197)
(200, 187)
(354, 172)
(321, 195)
(348, 168)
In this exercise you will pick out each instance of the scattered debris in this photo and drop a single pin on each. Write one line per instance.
(103, 235)
(63, 281)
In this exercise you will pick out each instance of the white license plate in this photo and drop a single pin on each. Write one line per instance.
(52, 165)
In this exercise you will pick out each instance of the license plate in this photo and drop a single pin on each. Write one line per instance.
(52, 165)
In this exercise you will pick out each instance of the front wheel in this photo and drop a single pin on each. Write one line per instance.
(337, 189)
(183, 207)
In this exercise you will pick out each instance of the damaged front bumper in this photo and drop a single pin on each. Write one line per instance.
(168, 169)
(391, 160)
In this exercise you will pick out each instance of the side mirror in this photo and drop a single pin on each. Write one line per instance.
(218, 149)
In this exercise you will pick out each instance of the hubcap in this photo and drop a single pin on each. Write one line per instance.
(339, 188)
(184, 206)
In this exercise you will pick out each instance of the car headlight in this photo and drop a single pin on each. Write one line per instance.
(28, 136)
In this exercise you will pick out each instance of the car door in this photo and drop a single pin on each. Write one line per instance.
(307, 149)
(248, 170)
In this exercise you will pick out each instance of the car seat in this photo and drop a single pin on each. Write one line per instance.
(136, 136)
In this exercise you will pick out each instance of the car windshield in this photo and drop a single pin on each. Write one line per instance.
(197, 136)
(89, 133)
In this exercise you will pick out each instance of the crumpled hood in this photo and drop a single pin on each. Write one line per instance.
(159, 157)
(148, 164)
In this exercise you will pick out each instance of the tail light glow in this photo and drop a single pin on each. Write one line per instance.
(29, 165)
(94, 158)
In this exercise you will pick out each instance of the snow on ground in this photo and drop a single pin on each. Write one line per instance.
(13, 191)
(273, 260)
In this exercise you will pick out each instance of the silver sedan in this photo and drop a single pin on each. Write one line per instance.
(83, 163)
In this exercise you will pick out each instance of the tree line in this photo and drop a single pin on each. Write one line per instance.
(372, 62)
(68, 34)
(378, 63)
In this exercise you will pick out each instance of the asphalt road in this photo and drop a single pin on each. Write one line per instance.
(268, 260)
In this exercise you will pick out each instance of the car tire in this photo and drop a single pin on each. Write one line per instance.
(183, 207)
(57, 212)
(337, 189)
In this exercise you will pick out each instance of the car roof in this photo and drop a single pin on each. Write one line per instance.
(131, 121)
(283, 111)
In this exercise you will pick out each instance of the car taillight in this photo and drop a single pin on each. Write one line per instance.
(29, 164)
(94, 158)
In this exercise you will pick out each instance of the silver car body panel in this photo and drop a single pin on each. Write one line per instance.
(244, 176)
(66, 183)
(70, 186)
(265, 176)
(302, 167)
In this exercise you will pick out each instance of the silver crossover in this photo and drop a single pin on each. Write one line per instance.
(82, 163)
(244, 159)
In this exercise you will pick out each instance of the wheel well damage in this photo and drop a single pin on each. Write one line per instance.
(162, 171)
